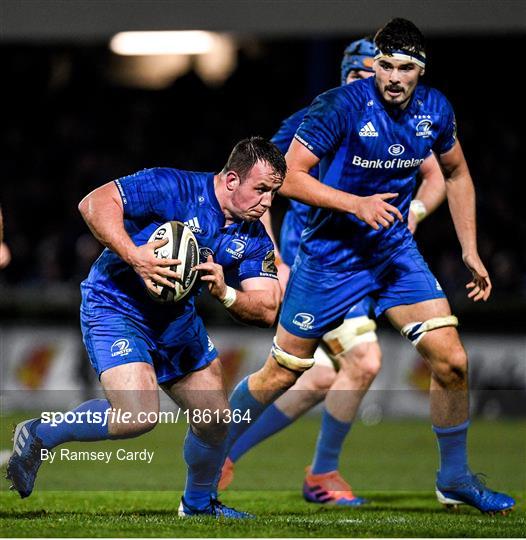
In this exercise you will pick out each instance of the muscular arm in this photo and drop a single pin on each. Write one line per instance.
(301, 186)
(461, 200)
(266, 219)
(103, 212)
(432, 190)
(257, 302)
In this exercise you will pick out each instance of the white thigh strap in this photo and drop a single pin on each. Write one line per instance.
(415, 331)
(288, 360)
(349, 334)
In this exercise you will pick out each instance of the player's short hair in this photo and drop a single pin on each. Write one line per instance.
(249, 151)
(399, 34)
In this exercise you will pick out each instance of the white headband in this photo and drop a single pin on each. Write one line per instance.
(418, 58)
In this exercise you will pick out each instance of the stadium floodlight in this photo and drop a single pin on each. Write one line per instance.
(162, 42)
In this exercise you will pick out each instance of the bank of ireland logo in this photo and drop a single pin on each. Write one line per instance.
(120, 347)
(423, 128)
(396, 149)
(303, 321)
(237, 248)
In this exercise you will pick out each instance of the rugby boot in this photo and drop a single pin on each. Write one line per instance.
(215, 509)
(329, 488)
(472, 491)
(26, 459)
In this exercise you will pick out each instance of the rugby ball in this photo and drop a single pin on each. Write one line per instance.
(181, 245)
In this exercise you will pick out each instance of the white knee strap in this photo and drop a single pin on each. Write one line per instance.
(290, 361)
(415, 331)
(349, 334)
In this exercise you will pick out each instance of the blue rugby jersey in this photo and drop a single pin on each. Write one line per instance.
(154, 196)
(296, 217)
(365, 147)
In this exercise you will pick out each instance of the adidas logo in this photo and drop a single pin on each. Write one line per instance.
(194, 225)
(21, 440)
(368, 130)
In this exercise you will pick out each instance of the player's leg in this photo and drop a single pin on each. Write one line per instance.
(308, 391)
(431, 328)
(129, 382)
(290, 356)
(202, 394)
(355, 348)
(311, 308)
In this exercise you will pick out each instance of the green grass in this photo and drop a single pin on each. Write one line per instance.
(393, 464)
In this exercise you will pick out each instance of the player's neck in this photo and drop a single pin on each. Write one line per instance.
(222, 196)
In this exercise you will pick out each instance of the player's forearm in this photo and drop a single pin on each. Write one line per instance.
(266, 219)
(104, 216)
(461, 200)
(258, 308)
(302, 187)
(432, 194)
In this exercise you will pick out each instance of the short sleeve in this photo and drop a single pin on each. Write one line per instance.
(324, 125)
(259, 262)
(149, 193)
(448, 133)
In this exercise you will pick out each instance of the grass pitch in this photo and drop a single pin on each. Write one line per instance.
(393, 464)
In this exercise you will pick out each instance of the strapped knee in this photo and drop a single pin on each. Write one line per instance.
(415, 331)
(290, 361)
(349, 334)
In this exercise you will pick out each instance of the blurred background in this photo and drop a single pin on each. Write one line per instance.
(82, 108)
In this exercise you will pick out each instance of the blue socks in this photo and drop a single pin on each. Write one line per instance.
(204, 462)
(329, 445)
(242, 400)
(271, 421)
(452, 443)
(90, 426)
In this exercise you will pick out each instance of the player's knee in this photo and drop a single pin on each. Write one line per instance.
(450, 367)
(132, 425)
(367, 357)
(317, 379)
(214, 431)
(282, 378)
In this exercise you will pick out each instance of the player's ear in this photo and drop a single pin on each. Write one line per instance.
(232, 180)
(422, 72)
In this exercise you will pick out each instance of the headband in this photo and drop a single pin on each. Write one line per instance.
(419, 58)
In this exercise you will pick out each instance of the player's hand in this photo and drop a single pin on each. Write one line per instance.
(376, 212)
(213, 275)
(412, 222)
(5, 255)
(153, 270)
(481, 284)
